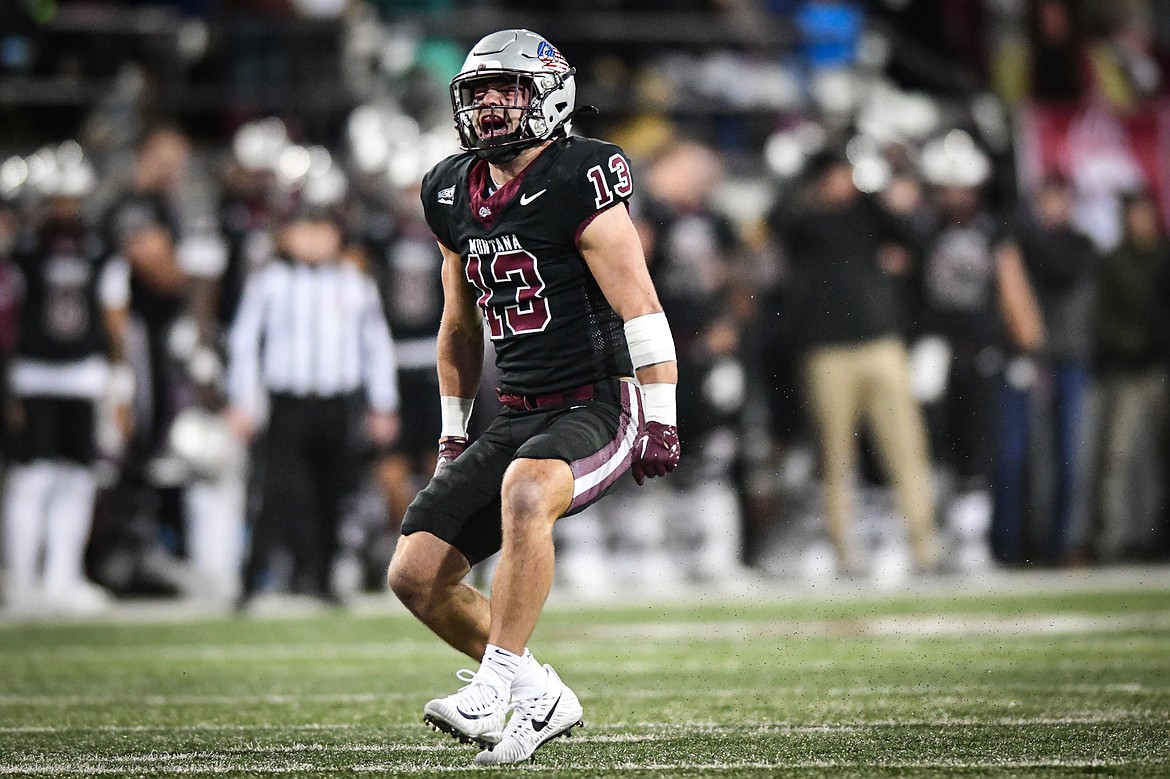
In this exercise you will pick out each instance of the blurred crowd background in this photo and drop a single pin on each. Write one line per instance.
(913, 253)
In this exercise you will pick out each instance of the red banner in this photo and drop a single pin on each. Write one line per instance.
(1104, 154)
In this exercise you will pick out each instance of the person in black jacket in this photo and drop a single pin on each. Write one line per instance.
(1061, 266)
(1132, 380)
(845, 251)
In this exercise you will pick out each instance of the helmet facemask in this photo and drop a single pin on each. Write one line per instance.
(500, 131)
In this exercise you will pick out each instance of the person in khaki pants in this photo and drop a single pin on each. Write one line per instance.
(855, 366)
(869, 382)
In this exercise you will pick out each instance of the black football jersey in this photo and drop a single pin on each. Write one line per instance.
(407, 267)
(61, 319)
(551, 325)
(132, 211)
(958, 285)
(245, 225)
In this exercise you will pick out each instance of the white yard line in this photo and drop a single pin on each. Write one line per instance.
(986, 625)
(615, 731)
(607, 692)
(934, 625)
(100, 768)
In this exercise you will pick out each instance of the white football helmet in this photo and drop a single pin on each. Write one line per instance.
(535, 65)
(205, 444)
(954, 160)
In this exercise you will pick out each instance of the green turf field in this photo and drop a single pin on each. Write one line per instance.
(1026, 675)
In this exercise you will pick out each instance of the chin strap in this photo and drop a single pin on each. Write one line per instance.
(498, 156)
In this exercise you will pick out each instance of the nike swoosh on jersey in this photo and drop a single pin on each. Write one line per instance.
(539, 725)
(526, 198)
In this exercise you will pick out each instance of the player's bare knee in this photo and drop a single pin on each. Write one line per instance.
(404, 582)
(424, 570)
(411, 582)
(530, 494)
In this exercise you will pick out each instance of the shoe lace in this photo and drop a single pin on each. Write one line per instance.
(481, 696)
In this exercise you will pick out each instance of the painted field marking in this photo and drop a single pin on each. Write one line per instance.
(606, 693)
(97, 768)
(653, 729)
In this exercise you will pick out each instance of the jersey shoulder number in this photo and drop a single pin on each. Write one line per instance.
(598, 176)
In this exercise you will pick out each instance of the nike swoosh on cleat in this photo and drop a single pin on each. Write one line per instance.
(526, 199)
(465, 715)
(539, 725)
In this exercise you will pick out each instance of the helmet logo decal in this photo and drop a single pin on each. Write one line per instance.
(552, 59)
(538, 69)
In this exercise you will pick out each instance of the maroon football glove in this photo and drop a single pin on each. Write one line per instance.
(449, 449)
(656, 451)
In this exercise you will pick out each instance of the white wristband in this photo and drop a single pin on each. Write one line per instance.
(456, 414)
(649, 339)
(658, 403)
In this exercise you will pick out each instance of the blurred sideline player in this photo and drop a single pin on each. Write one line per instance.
(73, 323)
(216, 499)
(407, 266)
(538, 242)
(132, 550)
(975, 304)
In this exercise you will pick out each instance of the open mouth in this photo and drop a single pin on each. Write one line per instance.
(492, 125)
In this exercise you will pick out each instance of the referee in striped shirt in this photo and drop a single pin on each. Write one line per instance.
(310, 350)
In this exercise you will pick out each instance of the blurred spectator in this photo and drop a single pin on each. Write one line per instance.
(247, 199)
(309, 337)
(1061, 264)
(1051, 63)
(1127, 67)
(972, 283)
(1062, 60)
(73, 323)
(1132, 381)
(143, 226)
(690, 527)
(855, 366)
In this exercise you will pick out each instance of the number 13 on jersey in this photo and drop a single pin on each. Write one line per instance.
(511, 293)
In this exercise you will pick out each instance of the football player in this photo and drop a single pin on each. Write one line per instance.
(539, 248)
(69, 357)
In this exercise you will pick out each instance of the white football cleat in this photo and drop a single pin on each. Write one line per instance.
(79, 598)
(474, 715)
(535, 722)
